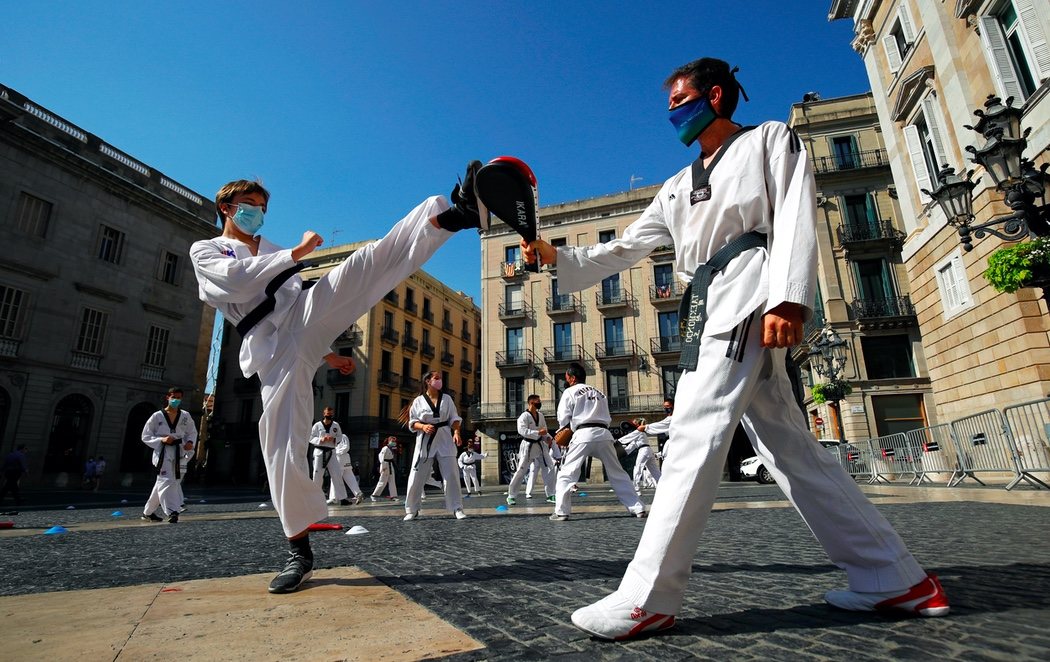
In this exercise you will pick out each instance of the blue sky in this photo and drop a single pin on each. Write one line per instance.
(352, 112)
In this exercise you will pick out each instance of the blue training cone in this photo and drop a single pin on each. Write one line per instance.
(56, 529)
(501, 509)
(116, 513)
(582, 494)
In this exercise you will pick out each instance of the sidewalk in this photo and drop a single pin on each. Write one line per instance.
(502, 586)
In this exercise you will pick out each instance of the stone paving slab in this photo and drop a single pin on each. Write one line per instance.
(227, 619)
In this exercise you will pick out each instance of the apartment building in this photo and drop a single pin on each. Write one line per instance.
(623, 331)
(863, 292)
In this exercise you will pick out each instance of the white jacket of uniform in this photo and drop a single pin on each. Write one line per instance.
(326, 438)
(342, 451)
(420, 412)
(632, 441)
(386, 460)
(760, 185)
(582, 403)
(157, 428)
(659, 427)
(471, 459)
(235, 287)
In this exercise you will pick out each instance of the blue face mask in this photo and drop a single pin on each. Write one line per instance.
(248, 219)
(175, 402)
(690, 119)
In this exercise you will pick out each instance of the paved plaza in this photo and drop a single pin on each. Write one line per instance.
(501, 586)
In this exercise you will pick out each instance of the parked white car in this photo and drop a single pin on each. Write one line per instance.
(753, 469)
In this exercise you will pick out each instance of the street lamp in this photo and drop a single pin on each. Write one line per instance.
(1016, 177)
(828, 356)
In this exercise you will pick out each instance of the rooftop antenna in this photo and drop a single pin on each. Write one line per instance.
(634, 179)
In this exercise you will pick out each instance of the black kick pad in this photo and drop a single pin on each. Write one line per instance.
(507, 188)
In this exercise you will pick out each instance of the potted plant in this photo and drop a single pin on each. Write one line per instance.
(1024, 264)
(830, 391)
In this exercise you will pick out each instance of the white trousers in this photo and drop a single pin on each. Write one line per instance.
(335, 471)
(739, 379)
(593, 442)
(470, 476)
(344, 477)
(645, 460)
(317, 317)
(420, 474)
(166, 494)
(385, 479)
(533, 456)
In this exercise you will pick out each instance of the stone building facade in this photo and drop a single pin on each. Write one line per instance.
(98, 304)
(931, 64)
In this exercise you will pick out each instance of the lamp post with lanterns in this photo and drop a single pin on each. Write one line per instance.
(1025, 188)
(828, 356)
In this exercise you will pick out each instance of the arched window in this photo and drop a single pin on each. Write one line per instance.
(70, 429)
(135, 456)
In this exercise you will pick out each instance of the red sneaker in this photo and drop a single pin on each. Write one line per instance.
(927, 598)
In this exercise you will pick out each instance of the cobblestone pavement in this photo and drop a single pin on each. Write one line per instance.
(512, 580)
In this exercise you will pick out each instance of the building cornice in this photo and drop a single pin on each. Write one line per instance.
(912, 89)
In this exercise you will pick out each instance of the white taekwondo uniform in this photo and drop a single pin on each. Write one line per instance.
(442, 448)
(345, 473)
(530, 480)
(581, 407)
(386, 473)
(532, 452)
(324, 441)
(468, 463)
(638, 442)
(166, 493)
(763, 182)
(286, 347)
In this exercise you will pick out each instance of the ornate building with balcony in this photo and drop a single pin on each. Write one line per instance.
(624, 331)
(864, 292)
(99, 312)
(419, 326)
(930, 65)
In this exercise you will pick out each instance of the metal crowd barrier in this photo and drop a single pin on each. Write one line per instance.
(1016, 440)
(938, 452)
(983, 444)
(1028, 425)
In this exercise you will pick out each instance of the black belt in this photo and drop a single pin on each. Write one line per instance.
(424, 453)
(174, 460)
(256, 315)
(692, 313)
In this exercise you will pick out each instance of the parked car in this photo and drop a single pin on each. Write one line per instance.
(753, 469)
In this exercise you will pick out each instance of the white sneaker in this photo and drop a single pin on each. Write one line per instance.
(357, 499)
(460, 514)
(373, 498)
(927, 598)
(332, 502)
(614, 617)
(410, 516)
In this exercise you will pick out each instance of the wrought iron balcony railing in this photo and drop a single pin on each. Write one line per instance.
(669, 292)
(389, 378)
(890, 307)
(873, 158)
(665, 344)
(515, 357)
(563, 354)
(618, 298)
(389, 335)
(563, 303)
(854, 233)
(615, 349)
(515, 310)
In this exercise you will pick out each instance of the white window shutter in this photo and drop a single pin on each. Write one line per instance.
(918, 161)
(1033, 30)
(934, 122)
(893, 55)
(999, 61)
(907, 24)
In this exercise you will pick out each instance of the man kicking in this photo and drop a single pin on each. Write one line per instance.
(287, 330)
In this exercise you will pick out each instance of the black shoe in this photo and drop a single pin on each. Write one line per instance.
(345, 502)
(296, 571)
(173, 518)
(152, 517)
(464, 212)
